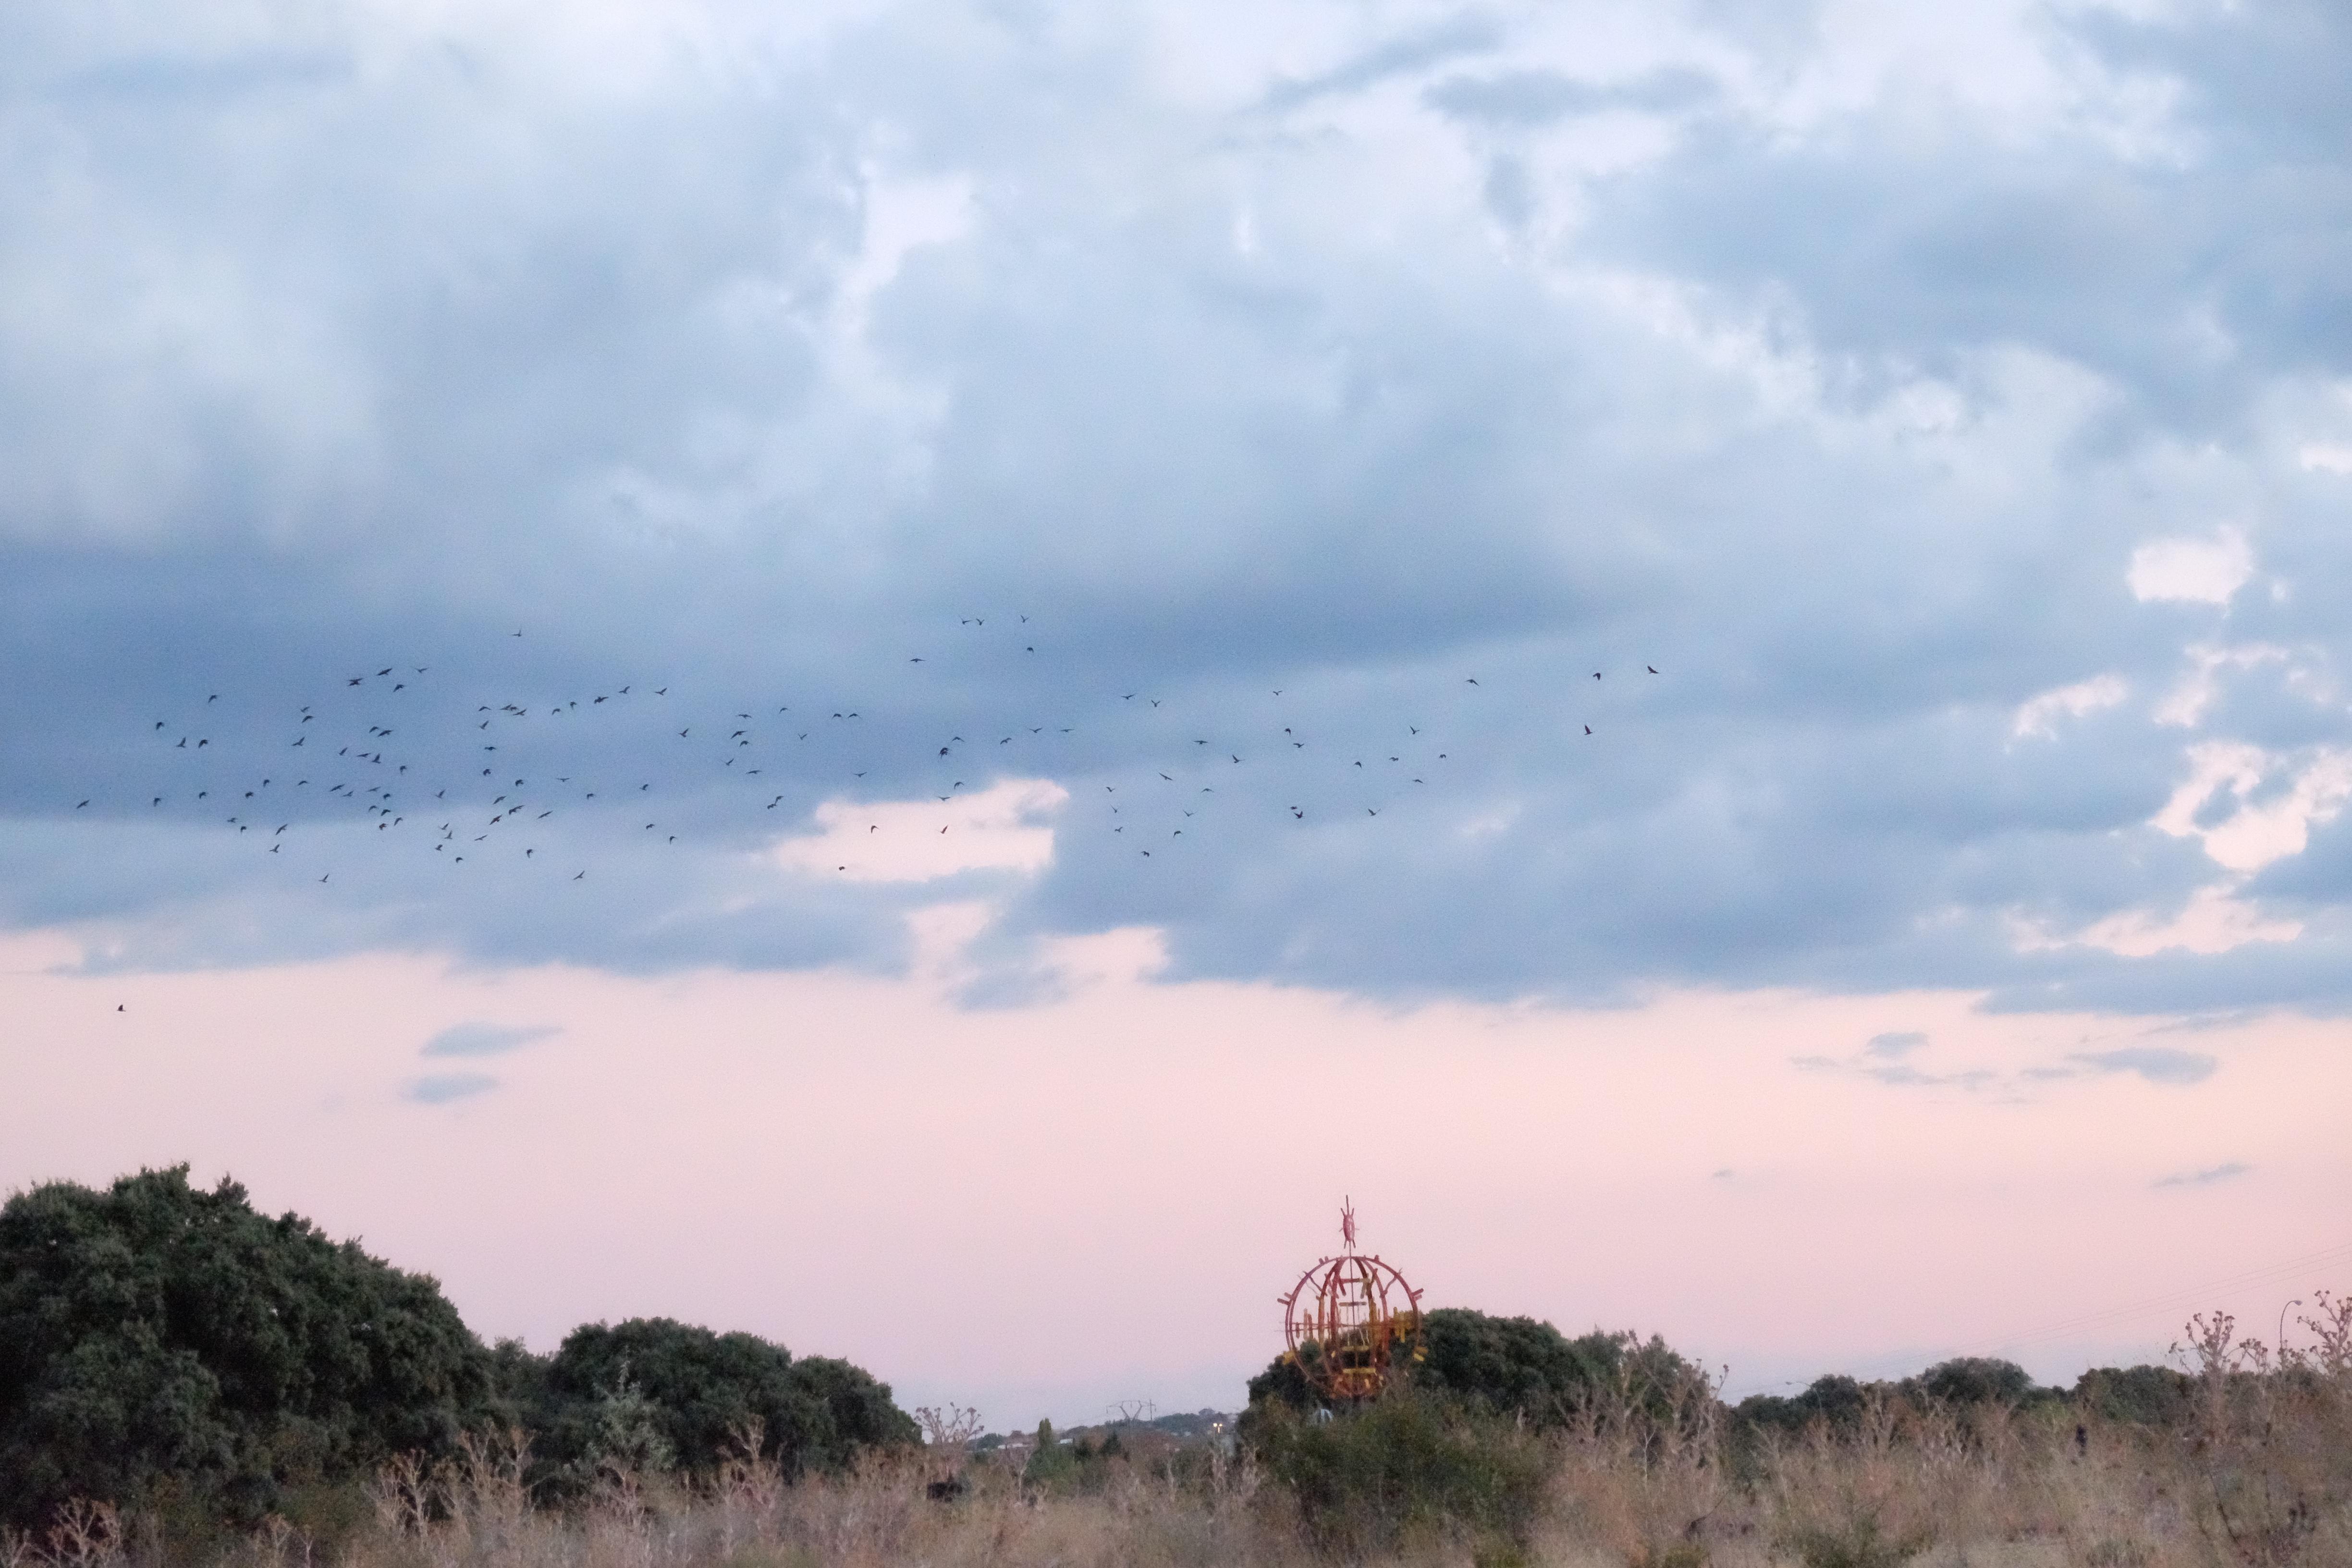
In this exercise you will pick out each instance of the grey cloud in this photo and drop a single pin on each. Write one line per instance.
(480, 1040)
(1464, 32)
(447, 1088)
(1873, 1065)
(1528, 97)
(2186, 281)
(1884, 1059)
(2207, 1177)
(611, 390)
(2156, 1064)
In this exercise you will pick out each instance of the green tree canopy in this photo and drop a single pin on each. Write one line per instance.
(1976, 1380)
(1514, 1366)
(653, 1392)
(2142, 1395)
(1834, 1400)
(156, 1331)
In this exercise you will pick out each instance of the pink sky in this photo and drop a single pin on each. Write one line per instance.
(1042, 1209)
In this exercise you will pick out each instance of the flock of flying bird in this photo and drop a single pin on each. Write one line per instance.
(386, 746)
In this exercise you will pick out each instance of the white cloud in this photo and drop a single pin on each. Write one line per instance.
(2039, 715)
(2277, 799)
(2325, 457)
(2213, 920)
(1002, 828)
(2186, 703)
(2191, 570)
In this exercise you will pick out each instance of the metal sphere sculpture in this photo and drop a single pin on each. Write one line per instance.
(1349, 1320)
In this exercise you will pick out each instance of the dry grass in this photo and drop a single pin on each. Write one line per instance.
(2259, 1477)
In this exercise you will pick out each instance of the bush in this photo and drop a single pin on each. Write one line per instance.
(1976, 1380)
(1517, 1367)
(652, 1393)
(1364, 1479)
(164, 1346)
(1835, 1403)
(2136, 1396)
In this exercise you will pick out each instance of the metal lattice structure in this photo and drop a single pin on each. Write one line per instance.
(1349, 1320)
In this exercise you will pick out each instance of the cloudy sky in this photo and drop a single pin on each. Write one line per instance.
(916, 676)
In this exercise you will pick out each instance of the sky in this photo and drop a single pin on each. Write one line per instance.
(919, 676)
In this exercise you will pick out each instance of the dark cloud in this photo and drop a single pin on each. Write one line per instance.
(752, 384)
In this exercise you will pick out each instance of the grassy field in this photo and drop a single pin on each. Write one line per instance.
(2255, 1472)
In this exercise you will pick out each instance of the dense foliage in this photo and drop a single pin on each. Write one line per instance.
(1367, 1479)
(1517, 1367)
(155, 1332)
(654, 1394)
(170, 1349)
(1837, 1403)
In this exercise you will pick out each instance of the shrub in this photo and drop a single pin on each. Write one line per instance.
(1517, 1367)
(651, 1393)
(1366, 1478)
(1976, 1380)
(2136, 1396)
(162, 1344)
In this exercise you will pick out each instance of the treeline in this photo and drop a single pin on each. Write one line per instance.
(1472, 1437)
(1530, 1371)
(173, 1352)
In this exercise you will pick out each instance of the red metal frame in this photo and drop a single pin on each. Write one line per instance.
(1349, 1319)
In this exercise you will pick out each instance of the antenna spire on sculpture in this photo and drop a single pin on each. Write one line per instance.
(1349, 1320)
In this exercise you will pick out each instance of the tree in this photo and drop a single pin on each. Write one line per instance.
(1976, 1380)
(154, 1331)
(1514, 1367)
(1049, 1461)
(652, 1392)
(2139, 1395)
(1834, 1401)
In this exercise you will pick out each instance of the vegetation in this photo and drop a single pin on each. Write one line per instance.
(169, 1352)
(184, 1381)
(158, 1338)
(654, 1394)
(2256, 1474)
(1514, 1367)
(1420, 1463)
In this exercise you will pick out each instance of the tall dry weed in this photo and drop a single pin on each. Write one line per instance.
(2270, 1445)
(2258, 1475)
(1641, 1467)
